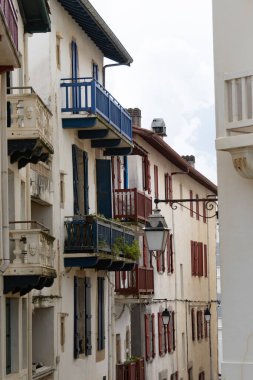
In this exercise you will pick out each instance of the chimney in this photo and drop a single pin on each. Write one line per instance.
(136, 116)
(158, 126)
(190, 159)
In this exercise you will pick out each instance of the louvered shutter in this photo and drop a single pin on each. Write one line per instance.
(160, 333)
(201, 323)
(75, 180)
(171, 253)
(113, 172)
(197, 207)
(156, 181)
(119, 180)
(166, 187)
(205, 259)
(173, 331)
(193, 323)
(153, 335)
(200, 259)
(168, 254)
(204, 212)
(196, 264)
(145, 252)
(88, 342)
(170, 188)
(86, 183)
(169, 332)
(191, 204)
(206, 328)
(148, 177)
(101, 311)
(159, 261)
(192, 258)
(76, 335)
(147, 336)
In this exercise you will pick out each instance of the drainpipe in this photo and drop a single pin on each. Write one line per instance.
(4, 177)
(112, 65)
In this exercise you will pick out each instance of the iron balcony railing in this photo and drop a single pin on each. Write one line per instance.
(140, 281)
(132, 205)
(133, 370)
(86, 95)
(92, 234)
(11, 18)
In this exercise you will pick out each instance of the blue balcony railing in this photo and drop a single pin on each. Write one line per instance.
(87, 95)
(94, 235)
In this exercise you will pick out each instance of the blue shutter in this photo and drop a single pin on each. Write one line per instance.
(104, 188)
(86, 183)
(95, 71)
(75, 180)
(88, 342)
(74, 73)
(101, 314)
(8, 335)
(76, 335)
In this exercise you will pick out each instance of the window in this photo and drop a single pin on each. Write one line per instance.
(193, 323)
(58, 50)
(12, 334)
(205, 260)
(168, 187)
(156, 181)
(80, 181)
(101, 314)
(198, 259)
(191, 204)
(149, 320)
(171, 333)
(162, 339)
(199, 324)
(146, 174)
(94, 71)
(82, 316)
(160, 263)
(174, 376)
(190, 374)
(62, 190)
(202, 375)
(170, 254)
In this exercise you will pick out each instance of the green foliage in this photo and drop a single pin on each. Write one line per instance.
(131, 251)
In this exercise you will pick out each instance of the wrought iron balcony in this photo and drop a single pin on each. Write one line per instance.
(32, 258)
(140, 281)
(132, 205)
(131, 370)
(90, 109)
(29, 128)
(91, 242)
(9, 36)
(41, 184)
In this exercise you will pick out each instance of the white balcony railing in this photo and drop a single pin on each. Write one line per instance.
(30, 118)
(32, 245)
(239, 102)
(41, 183)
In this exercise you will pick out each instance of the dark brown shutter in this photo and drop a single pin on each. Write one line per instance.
(153, 335)
(196, 264)
(193, 257)
(206, 328)
(166, 187)
(197, 207)
(171, 254)
(170, 188)
(205, 260)
(168, 254)
(204, 212)
(147, 336)
(148, 176)
(173, 331)
(119, 172)
(191, 204)
(193, 324)
(169, 332)
(158, 262)
(156, 181)
(160, 333)
(200, 259)
(145, 252)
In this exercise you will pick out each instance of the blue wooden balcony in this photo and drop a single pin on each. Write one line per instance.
(91, 242)
(90, 109)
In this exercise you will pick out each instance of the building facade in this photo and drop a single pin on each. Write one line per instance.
(233, 99)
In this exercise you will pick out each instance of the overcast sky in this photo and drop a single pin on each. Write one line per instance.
(172, 73)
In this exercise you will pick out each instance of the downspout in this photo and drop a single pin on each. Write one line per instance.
(4, 177)
(112, 65)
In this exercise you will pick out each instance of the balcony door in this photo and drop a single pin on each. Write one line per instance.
(104, 188)
(80, 181)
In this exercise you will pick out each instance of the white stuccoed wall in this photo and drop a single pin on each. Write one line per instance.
(233, 30)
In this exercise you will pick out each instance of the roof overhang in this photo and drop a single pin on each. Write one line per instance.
(95, 27)
(35, 15)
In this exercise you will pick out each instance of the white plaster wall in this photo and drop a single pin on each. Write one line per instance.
(233, 29)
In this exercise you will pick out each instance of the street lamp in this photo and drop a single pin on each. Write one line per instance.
(156, 232)
(166, 316)
(207, 315)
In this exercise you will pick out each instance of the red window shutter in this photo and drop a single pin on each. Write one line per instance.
(201, 323)
(169, 333)
(204, 212)
(160, 333)
(156, 181)
(200, 259)
(193, 257)
(119, 172)
(205, 260)
(173, 331)
(147, 336)
(145, 252)
(144, 175)
(197, 207)
(148, 176)
(191, 204)
(170, 188)
(165, 339)
(153, 335)
(196, 264)
(193, 324)
(171, 254)
(158, 262)
(168, 254)
(166, 187)
(206, 328)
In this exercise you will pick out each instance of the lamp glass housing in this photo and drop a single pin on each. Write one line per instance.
(156, 232)
(166, 316)
(207, 315)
